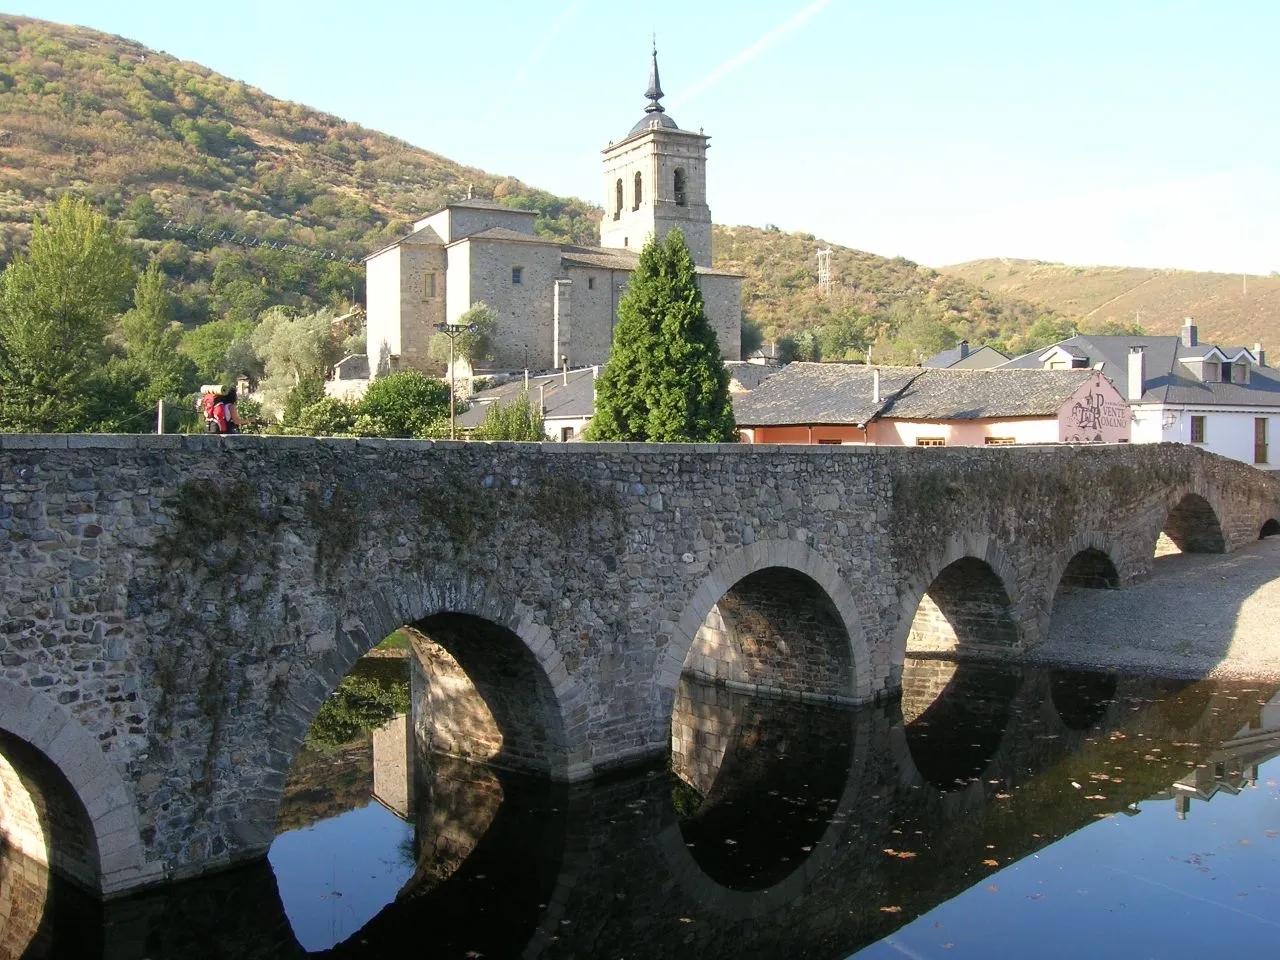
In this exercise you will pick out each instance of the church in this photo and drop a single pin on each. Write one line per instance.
(556, 303)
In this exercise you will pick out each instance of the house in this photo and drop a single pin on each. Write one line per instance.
(1223, 399)
(556, 303)
(960, 357)
(895, 406)
(567, 399)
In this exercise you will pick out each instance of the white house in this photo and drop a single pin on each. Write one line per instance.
(1224, 399)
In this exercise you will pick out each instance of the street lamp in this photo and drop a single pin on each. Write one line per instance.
(451, 330)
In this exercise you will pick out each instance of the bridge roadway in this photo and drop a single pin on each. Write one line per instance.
(174, 610)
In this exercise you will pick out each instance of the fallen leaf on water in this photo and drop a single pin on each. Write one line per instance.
(1096, 796)
(1076, 785)
(890, 909)
(686, 919)
(991, 863)
(1003, 796)
(992, 888)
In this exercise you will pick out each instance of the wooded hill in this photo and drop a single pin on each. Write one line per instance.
(1228, 308)
(148, 138)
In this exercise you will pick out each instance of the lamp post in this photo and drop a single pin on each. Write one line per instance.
(452, 330)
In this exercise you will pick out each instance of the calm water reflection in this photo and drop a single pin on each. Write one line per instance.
(990, 813)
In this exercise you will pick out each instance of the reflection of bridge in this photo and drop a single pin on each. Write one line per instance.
(175, 609)
(513, 868)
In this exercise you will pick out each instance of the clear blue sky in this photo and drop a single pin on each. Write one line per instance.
(1118, 131)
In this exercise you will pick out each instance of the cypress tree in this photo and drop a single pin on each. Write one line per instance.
(665, 380)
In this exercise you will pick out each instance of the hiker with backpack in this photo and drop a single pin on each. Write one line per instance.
(219, 410)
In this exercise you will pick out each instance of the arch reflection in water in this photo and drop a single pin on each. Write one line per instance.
(955, 717)
(1082, 698)
(743, 761)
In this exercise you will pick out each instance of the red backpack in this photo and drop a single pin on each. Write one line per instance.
(215, 413)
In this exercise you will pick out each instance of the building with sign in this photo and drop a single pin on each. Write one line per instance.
(920, 406)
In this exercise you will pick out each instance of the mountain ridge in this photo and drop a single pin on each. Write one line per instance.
(1230, 308)
(150, 138)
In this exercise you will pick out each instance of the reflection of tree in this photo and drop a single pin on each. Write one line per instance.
(363, 701)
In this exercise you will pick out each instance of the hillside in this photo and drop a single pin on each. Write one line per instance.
(1227, 308)
(147, 138)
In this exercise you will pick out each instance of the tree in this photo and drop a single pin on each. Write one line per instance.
(56, 302)
(665, 380)
(469, 346)
(404, 404)
(151, 341)
(293, 349)
(517, 420)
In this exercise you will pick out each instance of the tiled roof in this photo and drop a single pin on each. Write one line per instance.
(1167, 379)
(576, 399)
(749, 375)
(425, 235)
(984, 394)
(506, 234)
(841, 393)
(979, 358)
(820, 393)
(614, 259)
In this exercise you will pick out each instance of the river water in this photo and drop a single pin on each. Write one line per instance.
(993, 812)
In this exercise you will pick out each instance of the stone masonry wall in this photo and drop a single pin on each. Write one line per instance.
(174, 610)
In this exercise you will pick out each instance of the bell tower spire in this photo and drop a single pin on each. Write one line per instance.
(655, 179)
(654, 93)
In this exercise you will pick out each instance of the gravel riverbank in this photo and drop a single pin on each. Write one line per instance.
(1197, 615)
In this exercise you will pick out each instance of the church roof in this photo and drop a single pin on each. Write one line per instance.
(607, 258)
(425, 235)
(507, 234)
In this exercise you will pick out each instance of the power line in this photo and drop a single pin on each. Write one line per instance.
(245, 240)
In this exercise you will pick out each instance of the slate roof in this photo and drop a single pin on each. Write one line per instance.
(819, 394)
(613, 259)
(749, 375)
(561, 401)
(1168, 380)
(506, 233)
(981, 358)
(425, 235)
(984, 394)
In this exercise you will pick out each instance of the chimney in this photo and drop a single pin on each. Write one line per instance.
(964, 349)
(875, 385)
(1260, 354)
(1138, 371)
(1190, 335)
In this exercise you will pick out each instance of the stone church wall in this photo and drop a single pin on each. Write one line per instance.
(523, 309)
(722, 303)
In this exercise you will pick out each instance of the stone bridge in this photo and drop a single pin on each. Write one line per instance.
(174, 610)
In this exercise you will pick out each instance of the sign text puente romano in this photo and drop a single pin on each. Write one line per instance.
(174, 610)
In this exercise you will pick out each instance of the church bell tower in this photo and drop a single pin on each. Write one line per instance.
(655, 179)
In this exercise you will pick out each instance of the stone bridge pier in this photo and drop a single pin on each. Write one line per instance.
(175, 610)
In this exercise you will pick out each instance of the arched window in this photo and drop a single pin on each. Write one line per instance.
(637, 204)
(681, 197)
(617, 209)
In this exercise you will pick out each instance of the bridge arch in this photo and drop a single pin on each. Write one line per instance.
(1192, 521)
(1091, 561)
(52, 748)
(976, 589)
(1270, 528)
(370, 617)
(808, 570)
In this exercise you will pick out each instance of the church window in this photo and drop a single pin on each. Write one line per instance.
(682, 198)
(517, 274)
(617, 209)
(637, 204)
(591, 283)
(429, 286)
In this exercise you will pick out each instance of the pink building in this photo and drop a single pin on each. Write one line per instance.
(897, 406)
